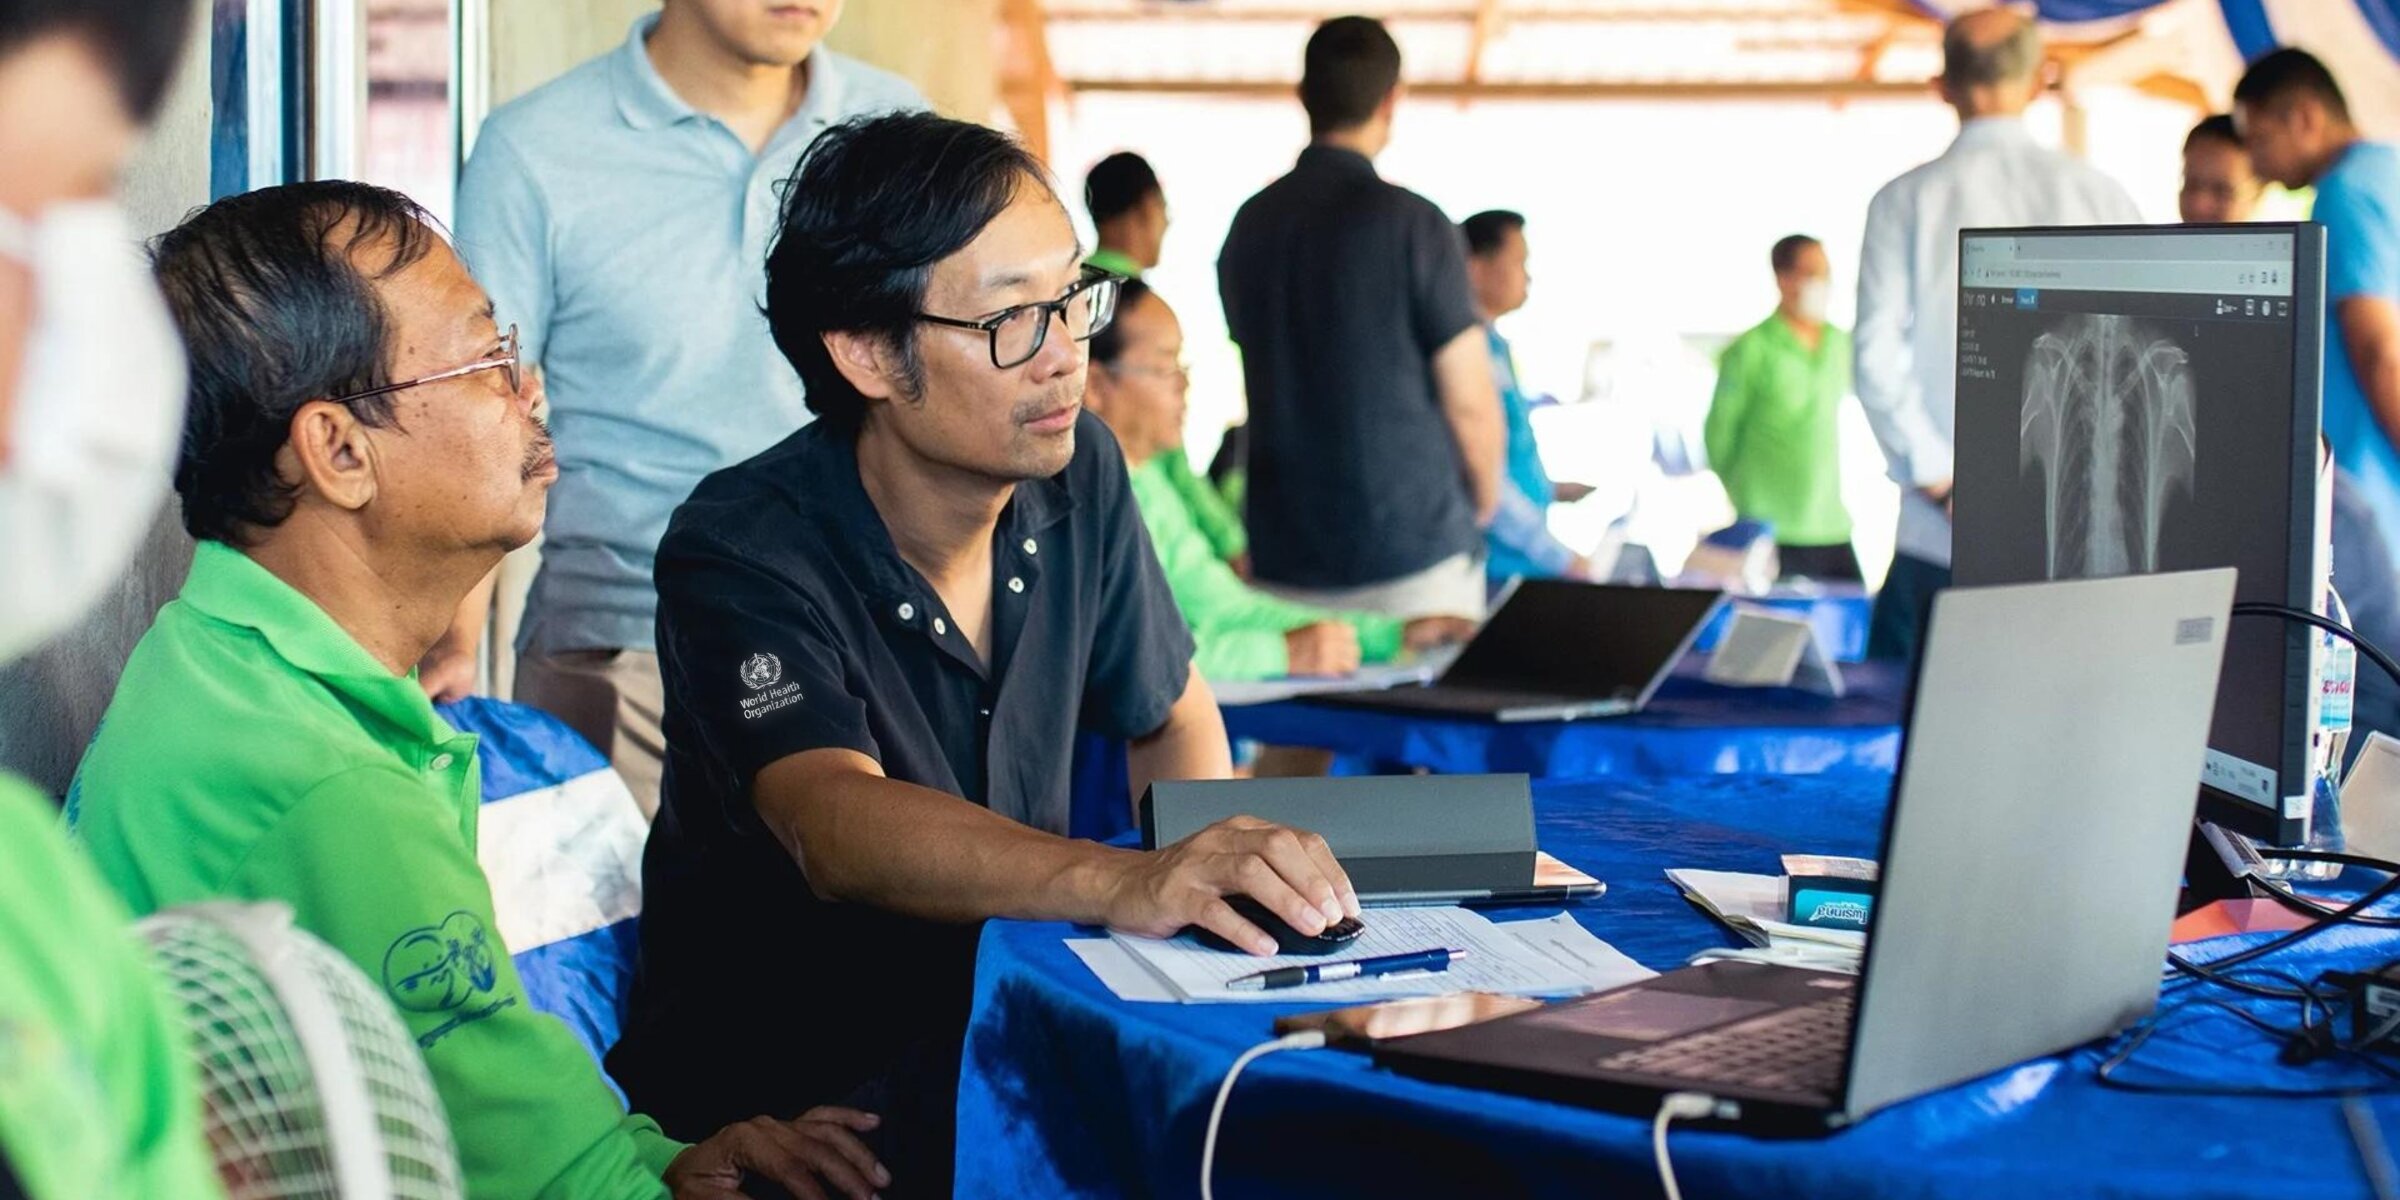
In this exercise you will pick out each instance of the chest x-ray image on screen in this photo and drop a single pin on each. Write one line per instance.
(2145, 399)
(2107, 430)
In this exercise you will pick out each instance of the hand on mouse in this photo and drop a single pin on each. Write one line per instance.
(1290, 871)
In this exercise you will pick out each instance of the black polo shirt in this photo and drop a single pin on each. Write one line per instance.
(787, 622)
(1340, 287)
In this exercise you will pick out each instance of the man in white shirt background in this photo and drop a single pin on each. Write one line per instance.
(1906, 341)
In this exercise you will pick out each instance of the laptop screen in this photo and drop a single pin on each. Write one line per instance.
(1581, 639)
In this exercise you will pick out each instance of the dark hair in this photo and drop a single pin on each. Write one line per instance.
(2286, 73)
(1352, 63)
(1117, 185)
(868, 211)
(276, 310)
(1487, 231)
(2217, 127)
(1108, 345)
(140, 41)
(1786, 254)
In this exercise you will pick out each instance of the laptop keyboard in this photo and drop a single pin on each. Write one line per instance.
(1788, 1050)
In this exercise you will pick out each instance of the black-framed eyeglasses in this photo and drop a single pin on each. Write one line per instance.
(1017, 334)
(506, 360)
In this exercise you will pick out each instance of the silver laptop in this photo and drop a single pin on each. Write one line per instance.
(2030, 861)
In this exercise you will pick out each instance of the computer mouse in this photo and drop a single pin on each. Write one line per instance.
(1287, 939)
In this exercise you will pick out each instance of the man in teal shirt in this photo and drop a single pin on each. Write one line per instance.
(1241, 633)
(2296, 126)
(1773, 429)
(361, 450)
(1519, 538)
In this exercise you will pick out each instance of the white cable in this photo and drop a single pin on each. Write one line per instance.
(1678, 1106)
(1307, 1039)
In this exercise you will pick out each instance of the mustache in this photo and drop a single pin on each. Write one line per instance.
(1048, 402)
(541, 452)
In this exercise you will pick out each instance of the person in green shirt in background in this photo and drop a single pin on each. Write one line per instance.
(1137, 386)
(361, 450)
(98, 1096)
(1129, 213)
(1129, 209)
(1772, 432)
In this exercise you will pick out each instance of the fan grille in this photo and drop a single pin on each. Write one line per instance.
(278, 1126)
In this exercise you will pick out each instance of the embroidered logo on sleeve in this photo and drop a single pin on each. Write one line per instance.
(763, 675)
(446, 968)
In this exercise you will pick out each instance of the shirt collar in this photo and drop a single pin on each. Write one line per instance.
(867, 542)
(227, 585)
(643, 97)
(1114, 262)
(1990, 131)
(1336, 159)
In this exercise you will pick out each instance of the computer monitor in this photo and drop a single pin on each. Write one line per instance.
(2141, 399)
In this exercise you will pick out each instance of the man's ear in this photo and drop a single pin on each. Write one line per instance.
(328, 454)
(871, 363)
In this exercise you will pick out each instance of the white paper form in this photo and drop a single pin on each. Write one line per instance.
(1496, 961)
(1565, 941)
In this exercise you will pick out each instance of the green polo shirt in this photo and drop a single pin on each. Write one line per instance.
(1237, 630)
(97, 1097)
(255, 751)
(1218, 521)
(1115, 262)
(1772, 432)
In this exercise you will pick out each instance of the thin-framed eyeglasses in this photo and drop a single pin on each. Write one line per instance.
(506, 361)
(1018, 333)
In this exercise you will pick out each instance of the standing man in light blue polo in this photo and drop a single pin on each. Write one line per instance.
(620, 214)
(2296, 125)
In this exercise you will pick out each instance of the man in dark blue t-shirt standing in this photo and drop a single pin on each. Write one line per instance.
(1376, 434)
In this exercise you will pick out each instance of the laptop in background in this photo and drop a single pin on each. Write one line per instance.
(2030, 860)
(1556, 650)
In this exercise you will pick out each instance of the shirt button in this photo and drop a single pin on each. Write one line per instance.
(441, 762)
(908, 612)
(938, 627)
(1015, 584)
(1031, 548)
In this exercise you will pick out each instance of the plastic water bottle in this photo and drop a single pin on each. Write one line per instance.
(2337, 683)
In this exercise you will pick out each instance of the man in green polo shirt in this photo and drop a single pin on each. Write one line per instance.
(1772, 432)
(1240, 633)
(1129, 214)
(360, 451)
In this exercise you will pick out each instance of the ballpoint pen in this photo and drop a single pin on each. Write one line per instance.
(1355, 968)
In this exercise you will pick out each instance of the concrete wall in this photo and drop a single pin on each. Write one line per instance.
(51, 701)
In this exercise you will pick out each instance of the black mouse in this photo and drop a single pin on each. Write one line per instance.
(1287, 939)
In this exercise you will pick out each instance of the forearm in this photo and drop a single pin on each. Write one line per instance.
(1191, 745)
(862, 838)
(1470, 401)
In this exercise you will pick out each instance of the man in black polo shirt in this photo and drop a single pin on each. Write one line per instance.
(879, 639)
(1375, 428)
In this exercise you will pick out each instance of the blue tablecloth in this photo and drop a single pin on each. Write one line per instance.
(1690, 727)
(1841, 614)
(1069, 1092)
